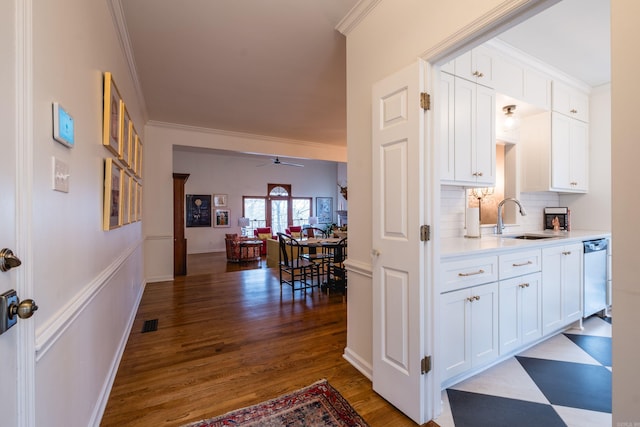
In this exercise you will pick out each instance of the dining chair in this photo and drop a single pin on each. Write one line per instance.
(314, 232)
(336, 272)
(294, 270)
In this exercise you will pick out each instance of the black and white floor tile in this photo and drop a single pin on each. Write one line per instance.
(563, 381)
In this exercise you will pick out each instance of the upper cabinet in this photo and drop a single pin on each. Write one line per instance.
(467, 132)
(476, 65)
(570, 102)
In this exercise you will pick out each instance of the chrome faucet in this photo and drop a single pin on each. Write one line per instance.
(499, 224)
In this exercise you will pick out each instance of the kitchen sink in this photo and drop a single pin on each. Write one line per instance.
(529, 237)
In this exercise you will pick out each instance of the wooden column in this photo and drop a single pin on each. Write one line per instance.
(179, 241)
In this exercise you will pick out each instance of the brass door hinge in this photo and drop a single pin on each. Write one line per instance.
(425, 365)
(425, 233)
(425, 101)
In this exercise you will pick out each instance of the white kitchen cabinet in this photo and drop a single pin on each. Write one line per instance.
(470, 150)
(569, 154)
(555, 154)
(469, 328)
(570, 102)
(446, 96)
(561, 286)
(476, 65)
(520, 316)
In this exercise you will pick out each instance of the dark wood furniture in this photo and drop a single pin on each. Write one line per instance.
(179, 241)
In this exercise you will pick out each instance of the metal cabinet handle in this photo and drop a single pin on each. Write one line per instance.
(473, 298)
(573, 111)
(566, 253)
(524, 285)
(521, 264)
(471, 274)
(478, 74)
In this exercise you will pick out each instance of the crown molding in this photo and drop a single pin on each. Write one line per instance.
(117, 13)
(356, 15)
(243, 135)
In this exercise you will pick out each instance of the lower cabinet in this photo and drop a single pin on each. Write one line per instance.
(561, 286)
(520, 311)
(470, 328)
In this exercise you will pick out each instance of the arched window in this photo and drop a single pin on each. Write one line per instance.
(278, 207)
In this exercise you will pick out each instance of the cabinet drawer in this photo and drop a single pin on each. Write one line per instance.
(469, 272)
(519, 263)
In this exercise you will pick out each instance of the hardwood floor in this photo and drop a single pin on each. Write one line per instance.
(228, 338)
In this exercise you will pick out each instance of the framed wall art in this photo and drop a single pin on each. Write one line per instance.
(198, 210)
(126, 198)
(133, 151)
(125, 138)
(113, 182)
(324, 210)
(138, 162)
(112, 116)
(222, 218)
(138, 210)
(220, 200)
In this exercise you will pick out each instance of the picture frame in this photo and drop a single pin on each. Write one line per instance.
(125, 138)
(138, 156)
(112, 116)
(138, 209)
(222, 218)
(126, 198)
(112, 207)
(324, 210)
(219, 200)
(198, 210)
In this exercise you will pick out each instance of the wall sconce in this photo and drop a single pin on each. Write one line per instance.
(510, 120)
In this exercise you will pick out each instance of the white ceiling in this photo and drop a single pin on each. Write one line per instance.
(278, 67)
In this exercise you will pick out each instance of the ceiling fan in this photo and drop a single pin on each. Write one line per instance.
(277, 161)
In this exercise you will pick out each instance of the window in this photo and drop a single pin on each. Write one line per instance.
(254, 208)
(278, 210)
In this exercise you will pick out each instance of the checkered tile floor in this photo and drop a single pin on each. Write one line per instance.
(563, 381)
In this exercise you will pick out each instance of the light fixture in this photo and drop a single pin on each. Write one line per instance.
(510, 120)
(313, 220)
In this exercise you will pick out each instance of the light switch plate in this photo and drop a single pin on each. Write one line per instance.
(60, 175)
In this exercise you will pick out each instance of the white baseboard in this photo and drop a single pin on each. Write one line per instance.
(359, 363)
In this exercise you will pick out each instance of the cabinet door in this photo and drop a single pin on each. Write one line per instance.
(572, 282)
(570, 102)
(456, 345)
(560, 152)
(484, 324)
(510, 315)
(579, 149)
(485, 136)
(530, 290)
(465, 107)
(446, 96)
(552, 289)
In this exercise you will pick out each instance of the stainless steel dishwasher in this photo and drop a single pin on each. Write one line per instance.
(595, 276)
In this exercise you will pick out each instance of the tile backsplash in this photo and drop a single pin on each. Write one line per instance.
(452, 206)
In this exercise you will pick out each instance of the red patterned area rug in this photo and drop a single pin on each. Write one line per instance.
(316, 405)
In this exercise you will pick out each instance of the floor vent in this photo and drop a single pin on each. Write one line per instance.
(150, 326)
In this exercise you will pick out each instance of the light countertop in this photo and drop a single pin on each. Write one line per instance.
(493, 243)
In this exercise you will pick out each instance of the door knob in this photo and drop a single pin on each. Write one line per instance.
(24, 310)
(8, 260)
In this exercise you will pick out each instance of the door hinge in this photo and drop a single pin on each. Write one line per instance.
(425, 233)
(425, 101)
(425, 365)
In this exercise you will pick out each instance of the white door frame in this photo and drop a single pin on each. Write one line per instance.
(25, 288)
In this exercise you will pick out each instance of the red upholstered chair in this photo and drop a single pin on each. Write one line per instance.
(294, 231)
(264, 233)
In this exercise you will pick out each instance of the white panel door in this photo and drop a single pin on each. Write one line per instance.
(398, 266)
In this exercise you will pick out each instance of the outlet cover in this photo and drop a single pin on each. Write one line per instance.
(60, 176)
